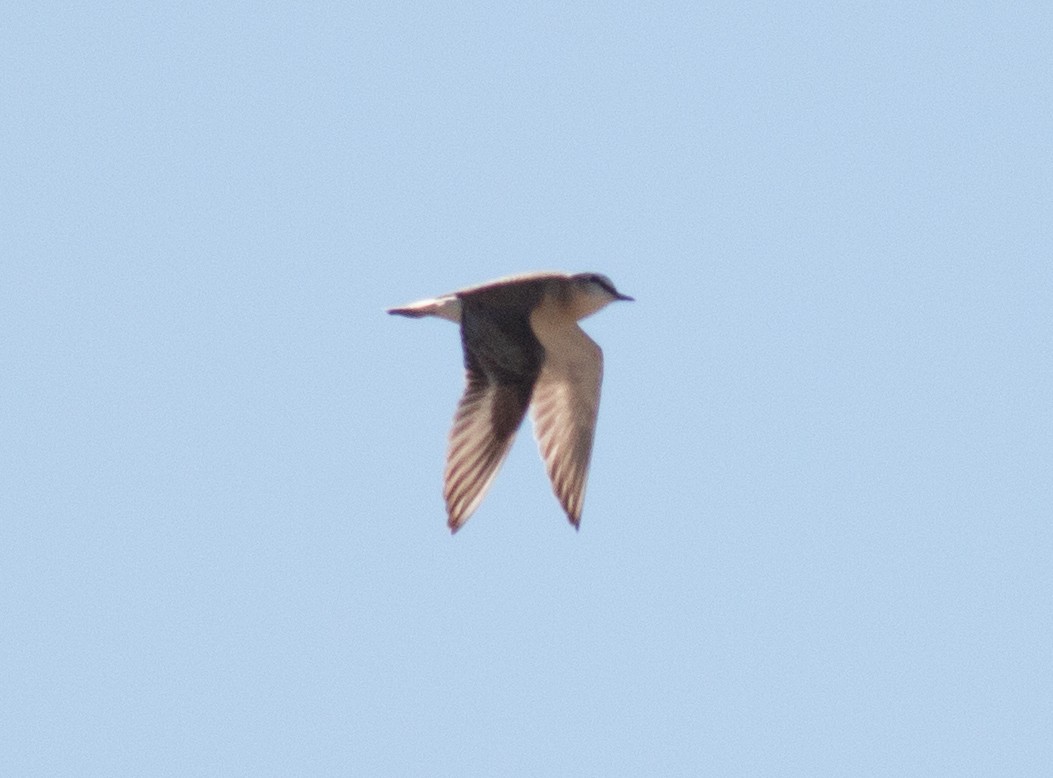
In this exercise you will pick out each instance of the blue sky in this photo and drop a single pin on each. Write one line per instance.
(817, 536)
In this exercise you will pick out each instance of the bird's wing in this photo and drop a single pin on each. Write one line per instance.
(483, 430)
(502, 363)
(565, 402)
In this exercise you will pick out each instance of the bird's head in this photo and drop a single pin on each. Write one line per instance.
(593, 291)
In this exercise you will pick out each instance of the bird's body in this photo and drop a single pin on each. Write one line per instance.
(523, 348)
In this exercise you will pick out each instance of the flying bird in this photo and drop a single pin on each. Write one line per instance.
(523, 348)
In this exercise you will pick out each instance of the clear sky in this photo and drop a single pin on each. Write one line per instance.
(817, 538)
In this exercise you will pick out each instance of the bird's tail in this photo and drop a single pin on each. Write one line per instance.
(443, 307)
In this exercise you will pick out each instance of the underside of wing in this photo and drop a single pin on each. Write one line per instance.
(564, 407)
(483, 430)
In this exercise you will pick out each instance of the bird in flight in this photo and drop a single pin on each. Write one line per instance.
(523, 348)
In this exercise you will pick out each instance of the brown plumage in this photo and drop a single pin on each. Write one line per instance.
(523, 349)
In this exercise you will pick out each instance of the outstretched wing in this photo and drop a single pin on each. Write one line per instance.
(565, 403)
(502, 358)
(483, 430)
